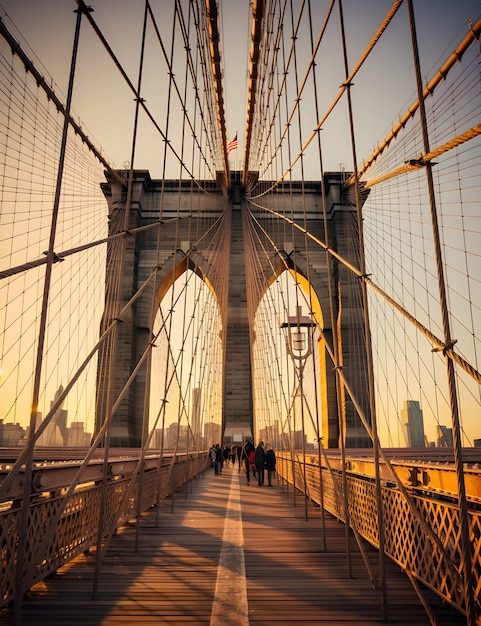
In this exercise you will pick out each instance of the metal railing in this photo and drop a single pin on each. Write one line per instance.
(420, 527)
(53, 540)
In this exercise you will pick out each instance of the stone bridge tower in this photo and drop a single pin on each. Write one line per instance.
(140, 257)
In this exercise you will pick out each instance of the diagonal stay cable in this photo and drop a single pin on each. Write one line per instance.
(339, 95)
(132, 481)
(420, 519)
(49, 536)
(133, 89)
(7, 482)
(456, 56)
(174, 82)
(421, 160)
(439, 345)
(60, 256)
(51, 95)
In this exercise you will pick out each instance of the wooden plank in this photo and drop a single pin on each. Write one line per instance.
(171, 579)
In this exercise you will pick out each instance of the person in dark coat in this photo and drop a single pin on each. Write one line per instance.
(219, 459)
(270, 464)
(247, 450)
(226, 452)
(260, 462)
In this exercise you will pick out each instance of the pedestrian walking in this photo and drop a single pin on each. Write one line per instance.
(270, 463)
(226, 456)
(260, 462)
(247, 454)
(219, 459)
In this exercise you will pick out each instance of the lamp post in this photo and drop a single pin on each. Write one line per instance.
(298, 335)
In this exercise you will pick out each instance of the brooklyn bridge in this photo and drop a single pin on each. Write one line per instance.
(228, 225)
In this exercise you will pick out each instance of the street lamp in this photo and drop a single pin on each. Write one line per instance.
(298, 335)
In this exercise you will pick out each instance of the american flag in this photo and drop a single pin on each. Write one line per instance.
(232, 144)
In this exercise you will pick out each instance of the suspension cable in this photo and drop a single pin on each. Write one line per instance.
(212, 16)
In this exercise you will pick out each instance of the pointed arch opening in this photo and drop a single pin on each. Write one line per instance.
(186, 384)
(289, 412)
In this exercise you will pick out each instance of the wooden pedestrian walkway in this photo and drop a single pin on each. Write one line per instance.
(228, 554)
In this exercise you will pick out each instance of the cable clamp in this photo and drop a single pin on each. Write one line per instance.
(419, 161)
(447, 346)
(82, 8)
(476, 35)
(56, 257)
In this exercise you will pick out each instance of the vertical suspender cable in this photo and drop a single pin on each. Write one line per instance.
(458, 456)
(176, 238)
(170, 357)
(24, 518)
(113, 352)
(145, 414)
(257, 19)
(290, 207)
(367, 330)
(340, 404)
(306, 248)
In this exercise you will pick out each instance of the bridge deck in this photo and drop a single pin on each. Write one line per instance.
(192, 567)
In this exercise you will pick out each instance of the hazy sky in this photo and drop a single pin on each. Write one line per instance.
(48, 27)
(383, 90)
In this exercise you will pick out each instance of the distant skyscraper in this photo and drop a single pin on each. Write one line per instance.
(11, 435)
(212, 433)
(76, 437)
(60, 417)
(54, 434)
(445, 436)
(412, 420)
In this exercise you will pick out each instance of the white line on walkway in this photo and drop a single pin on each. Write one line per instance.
(230, 599)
